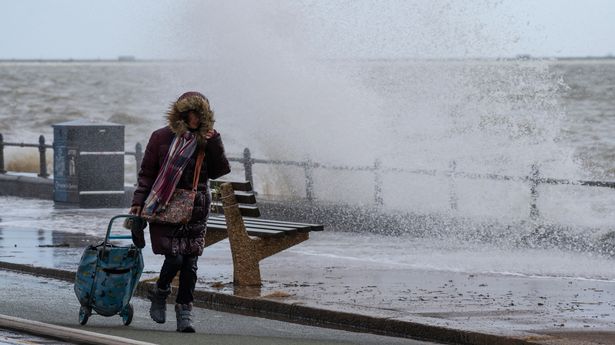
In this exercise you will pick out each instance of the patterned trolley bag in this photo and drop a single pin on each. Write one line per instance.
(108, 275)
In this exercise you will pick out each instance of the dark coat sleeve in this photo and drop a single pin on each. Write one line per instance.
(216, 161)
(148, 171)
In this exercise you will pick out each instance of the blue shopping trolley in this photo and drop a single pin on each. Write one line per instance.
(108, 275)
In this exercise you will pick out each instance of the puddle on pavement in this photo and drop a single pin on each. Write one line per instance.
(17, 338)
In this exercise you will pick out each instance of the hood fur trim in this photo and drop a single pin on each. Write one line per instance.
(191, 101)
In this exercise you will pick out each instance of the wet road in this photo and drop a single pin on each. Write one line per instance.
(54, 302)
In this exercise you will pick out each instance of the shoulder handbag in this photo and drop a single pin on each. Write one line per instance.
(179, 208)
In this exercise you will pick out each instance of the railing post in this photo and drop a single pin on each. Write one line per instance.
(247, 165)
(138, 157)
(309, 180)
(42, 157)
(378, 183)
(2, 171)
(452, 199)
(534, 181)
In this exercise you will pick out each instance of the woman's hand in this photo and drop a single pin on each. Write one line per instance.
(210, 134)
(136, 210)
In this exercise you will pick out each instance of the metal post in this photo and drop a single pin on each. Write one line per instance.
(534, 181)
(309, 180)
(138, 157)
(2, 171)
(452, 186)
(42, 157)
(378, 183)
(247, 165)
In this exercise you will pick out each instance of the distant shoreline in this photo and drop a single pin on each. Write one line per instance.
(82, 60)
(134, 60)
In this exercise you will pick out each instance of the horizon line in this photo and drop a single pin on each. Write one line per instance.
(129, 58)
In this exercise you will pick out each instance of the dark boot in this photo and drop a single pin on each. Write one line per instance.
(183, 312)
(158, 309)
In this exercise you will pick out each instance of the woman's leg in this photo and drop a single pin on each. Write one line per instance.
(172, 264)
(159, 295)
(187, 279)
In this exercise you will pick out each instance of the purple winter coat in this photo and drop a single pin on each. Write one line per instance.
(180, 239)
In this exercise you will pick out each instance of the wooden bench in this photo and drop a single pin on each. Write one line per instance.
(235, 215)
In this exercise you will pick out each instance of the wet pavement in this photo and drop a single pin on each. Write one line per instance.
(548, 296)
(53, 302)
(8, 337)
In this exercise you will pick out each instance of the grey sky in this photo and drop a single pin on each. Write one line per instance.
(423, 28)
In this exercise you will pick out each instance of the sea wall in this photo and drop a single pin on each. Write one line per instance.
(25, 186)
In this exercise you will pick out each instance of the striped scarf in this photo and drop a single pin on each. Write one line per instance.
(174, 163)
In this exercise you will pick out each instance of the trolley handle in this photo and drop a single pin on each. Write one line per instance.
(108, 235)
(120, 237)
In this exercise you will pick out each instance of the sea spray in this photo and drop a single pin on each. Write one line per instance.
(280, 73)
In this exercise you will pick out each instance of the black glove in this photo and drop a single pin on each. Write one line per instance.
(136, 226)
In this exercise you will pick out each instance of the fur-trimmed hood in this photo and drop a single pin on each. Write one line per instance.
(191, 101)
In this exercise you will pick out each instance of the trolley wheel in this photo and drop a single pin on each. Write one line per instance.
(127, 314)
(84, 315)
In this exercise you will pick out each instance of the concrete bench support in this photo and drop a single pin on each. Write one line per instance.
(247, 252)
(212, 237)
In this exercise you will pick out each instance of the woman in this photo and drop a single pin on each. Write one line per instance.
(168, 163)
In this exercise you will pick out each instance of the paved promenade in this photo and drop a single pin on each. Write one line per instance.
(48, 307)
(467, 293)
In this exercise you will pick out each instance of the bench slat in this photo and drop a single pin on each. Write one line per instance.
(245, 198)
(305, 226)
(300, 226)
(250, 231)
(246, 210)
(292, 227)
(242, 198)
(264, 233)
(286, 229)
(237, 186)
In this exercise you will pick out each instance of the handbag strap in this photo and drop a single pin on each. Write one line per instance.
(197, 169)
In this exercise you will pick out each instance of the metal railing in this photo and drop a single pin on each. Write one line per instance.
(138, 153)
(534, 179)
(42, 149)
